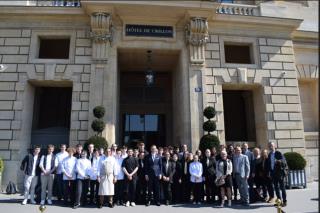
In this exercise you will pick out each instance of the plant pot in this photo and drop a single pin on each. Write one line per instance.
(296, 178)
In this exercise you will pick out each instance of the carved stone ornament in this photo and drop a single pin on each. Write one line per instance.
(101, 27)
(197, 31)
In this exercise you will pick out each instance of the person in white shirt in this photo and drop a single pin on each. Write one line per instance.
(83, 168)
(68, 169)
(30, 166)
(196, 170)
(119, 186)
(94, 184)
(48, 165)
(60, 157)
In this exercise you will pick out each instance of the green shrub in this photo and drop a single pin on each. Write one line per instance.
(1, 166)
(209, 126)
(99, 111)
(209, 141)
(97, 141)
(209, 112)
(295, 161)
(98, 125)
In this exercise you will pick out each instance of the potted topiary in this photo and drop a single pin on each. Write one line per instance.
(296, 176)
(209, 140)
(97, 126)
(1, 171)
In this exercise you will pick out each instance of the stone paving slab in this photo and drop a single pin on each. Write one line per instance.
(299, 201)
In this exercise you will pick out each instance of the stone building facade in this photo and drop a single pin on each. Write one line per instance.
(194, 42)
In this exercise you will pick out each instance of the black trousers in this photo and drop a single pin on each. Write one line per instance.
(210, 188)
(119, 191)
(196, 191)
(280, 186)
(235, 188)
(142, 190)
(154, 189)
(81, 192)
(186, 188)
(176, 191)
(130, 189)
(69, 191)
(167, 192)
(94, 188)
(60, 191)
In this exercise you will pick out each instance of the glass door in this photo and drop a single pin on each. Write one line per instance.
(147, 128)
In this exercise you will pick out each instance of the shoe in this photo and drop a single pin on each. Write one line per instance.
(284, 204)
(222, 205)
(49, 202)
(133, 204)
(33, 201)
(229, 203)
(42, 202)
(100, 206)
(76, 206)
(167, 203)
(127, 204)
(158, 204)
(110, 205)
(148, 203)
(24, 202)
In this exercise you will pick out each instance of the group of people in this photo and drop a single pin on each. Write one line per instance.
(166, 175)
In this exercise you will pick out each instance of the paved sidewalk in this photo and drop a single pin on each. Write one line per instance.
(299, 201)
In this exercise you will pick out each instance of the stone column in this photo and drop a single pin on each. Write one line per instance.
(102, 83)
(196, 38)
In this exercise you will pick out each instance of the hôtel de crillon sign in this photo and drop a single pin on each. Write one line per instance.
(149, 31)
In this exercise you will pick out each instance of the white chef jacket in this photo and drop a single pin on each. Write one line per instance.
(60, 157)
(69, 166)
(94, 168)
(83, 167)
(196, 171)
(120, 172)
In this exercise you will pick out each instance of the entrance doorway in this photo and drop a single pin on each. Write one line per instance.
(51, 116)
(146, 109)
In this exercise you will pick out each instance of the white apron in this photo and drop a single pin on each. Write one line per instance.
(107, 175)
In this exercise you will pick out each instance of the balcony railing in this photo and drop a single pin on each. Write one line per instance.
(237, 9)
(58, 3)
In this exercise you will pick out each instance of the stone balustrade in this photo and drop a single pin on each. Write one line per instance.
(237, 9)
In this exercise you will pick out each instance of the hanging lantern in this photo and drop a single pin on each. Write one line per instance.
(149, 73)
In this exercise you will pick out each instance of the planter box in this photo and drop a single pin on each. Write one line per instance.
(296, 178)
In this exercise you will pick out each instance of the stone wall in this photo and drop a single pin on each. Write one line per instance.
(275, 72)
(17, 85)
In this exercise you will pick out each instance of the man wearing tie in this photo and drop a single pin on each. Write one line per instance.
(209, 174)
(167, 177)
(153, 175)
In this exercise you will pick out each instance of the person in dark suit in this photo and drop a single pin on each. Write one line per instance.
(209, 174)
(278, 164)
(176, 184)
(185, 177)
(142, 189)
(153, 175)
(168, 170)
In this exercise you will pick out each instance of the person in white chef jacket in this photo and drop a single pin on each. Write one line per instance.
(60, 157)
(196, 179)
(119, 186)
(83, 167)
(107, 177)
(68, 169)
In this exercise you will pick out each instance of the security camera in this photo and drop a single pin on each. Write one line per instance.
(3, 67)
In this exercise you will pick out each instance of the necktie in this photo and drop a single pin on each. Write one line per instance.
(185, 167)
(167, 165)
(207, 162)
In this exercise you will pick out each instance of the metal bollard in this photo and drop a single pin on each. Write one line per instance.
(278, 206)
(42, 208)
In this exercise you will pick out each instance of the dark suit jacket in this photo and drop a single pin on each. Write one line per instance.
(210, 170)
(171, 169)
(277, 156)
(178, 171)
(27, 165)
(153, 168)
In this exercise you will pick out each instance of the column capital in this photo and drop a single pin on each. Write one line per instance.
(101, 27)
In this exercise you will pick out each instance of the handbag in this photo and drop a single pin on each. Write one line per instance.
(220, 181)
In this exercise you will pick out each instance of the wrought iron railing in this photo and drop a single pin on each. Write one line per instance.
(58, 3)
(237, 9)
